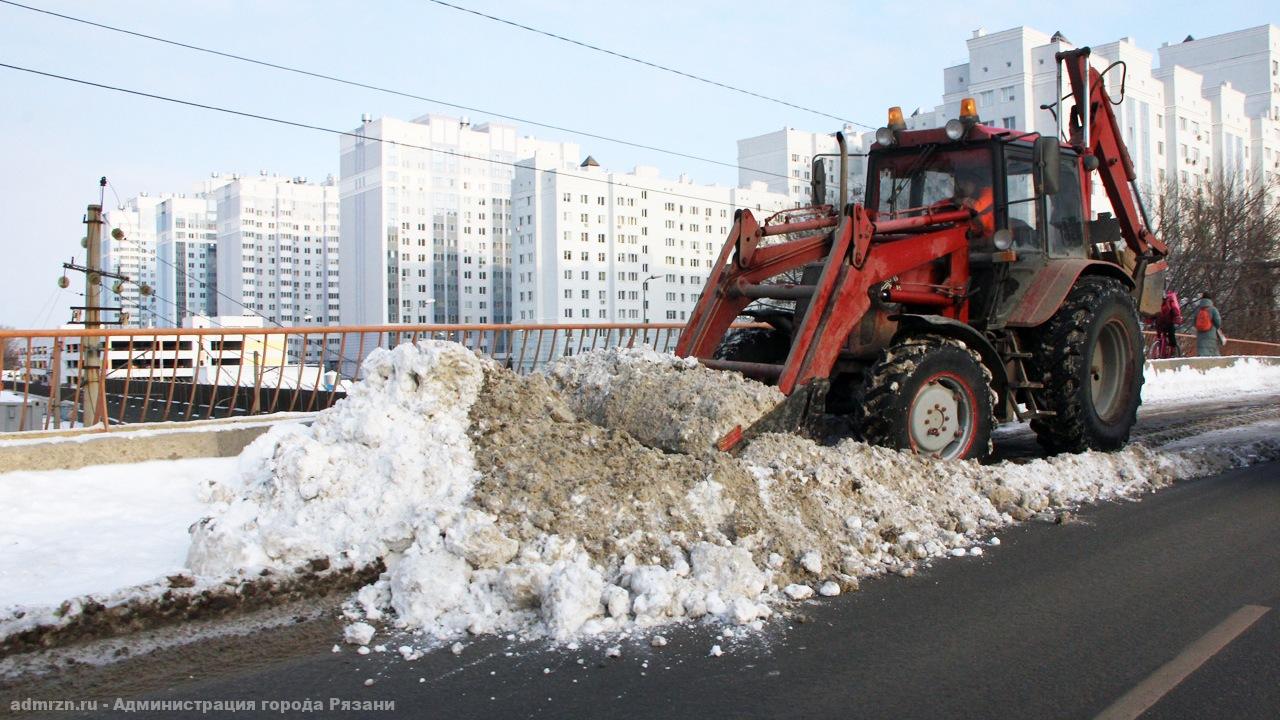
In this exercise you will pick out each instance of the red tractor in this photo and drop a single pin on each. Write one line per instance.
(973, 286)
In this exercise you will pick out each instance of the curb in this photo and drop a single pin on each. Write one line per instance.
(1207, 363)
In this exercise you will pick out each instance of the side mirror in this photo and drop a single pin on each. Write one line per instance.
(818, 185)
(1048, 155)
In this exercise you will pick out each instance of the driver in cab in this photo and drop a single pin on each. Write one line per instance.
(974, 194)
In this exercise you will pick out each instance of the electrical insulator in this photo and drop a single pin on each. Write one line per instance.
(63, 282)
(117, 234)
(84, 241)
(116, 287)
(124, 317)
(144, 289)
(94, 278)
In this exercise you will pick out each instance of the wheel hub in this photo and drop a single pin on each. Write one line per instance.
(1108, 370)
(939, 416)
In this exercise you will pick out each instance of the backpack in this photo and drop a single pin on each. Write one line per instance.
(1204, 320)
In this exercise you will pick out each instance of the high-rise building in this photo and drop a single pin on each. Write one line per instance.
(278, 249)
(1211, 108)
(186, 257)
(596, 246)
(133, 256)
(1248, 62)
(426, 217)
(783, 160)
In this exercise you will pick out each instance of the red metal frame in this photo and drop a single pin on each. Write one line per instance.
(859, 254)
(1115, 167)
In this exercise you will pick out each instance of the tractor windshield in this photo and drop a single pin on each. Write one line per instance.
(906, 182)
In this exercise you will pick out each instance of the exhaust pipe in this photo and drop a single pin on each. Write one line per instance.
(844, 171)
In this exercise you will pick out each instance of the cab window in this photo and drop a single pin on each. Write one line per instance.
(926, 178)
(1066, 226)
(1020, 199)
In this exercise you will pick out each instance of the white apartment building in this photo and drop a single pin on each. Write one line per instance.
(1207, 107)
(591, 245)
(783, 159)
(426, 220)
(277, 258)
(1249, 61)
(133, 256)
(186, 258)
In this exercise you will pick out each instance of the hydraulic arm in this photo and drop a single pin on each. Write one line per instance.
(1095, 133)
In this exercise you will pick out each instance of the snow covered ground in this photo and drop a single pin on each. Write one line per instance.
(72, 532)
(395, 473)
(1247, 377)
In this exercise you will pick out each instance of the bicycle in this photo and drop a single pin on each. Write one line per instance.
(1161, 348)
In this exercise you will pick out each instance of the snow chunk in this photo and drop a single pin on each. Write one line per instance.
(829, 589)
(812, 561)
(358, 633)
(572, 597)
(798, 592)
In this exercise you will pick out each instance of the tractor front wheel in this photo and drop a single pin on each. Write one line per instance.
(756, 345)
(931, 395)
(1089, 358)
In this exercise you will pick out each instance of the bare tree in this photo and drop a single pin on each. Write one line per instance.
(9, 349)
(1224, 239)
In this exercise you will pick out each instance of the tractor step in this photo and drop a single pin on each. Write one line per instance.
(1018, 356)
(758, 371)
(1026, 385)
(775, 291)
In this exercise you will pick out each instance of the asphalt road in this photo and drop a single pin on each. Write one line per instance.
(1058, 621)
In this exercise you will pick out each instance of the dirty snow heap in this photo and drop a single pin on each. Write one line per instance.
(587, 501)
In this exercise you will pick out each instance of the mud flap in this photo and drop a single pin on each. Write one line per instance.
(794, 415)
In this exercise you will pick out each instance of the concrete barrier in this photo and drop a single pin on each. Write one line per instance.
(1205, 363)
(71, 449)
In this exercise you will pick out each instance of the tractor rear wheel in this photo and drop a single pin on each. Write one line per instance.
(756, 345)
(1089, 358)
(931, 395)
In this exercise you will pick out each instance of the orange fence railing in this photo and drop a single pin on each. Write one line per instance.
(55, 379)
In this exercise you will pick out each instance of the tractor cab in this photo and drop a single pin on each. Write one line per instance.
(1026, 195)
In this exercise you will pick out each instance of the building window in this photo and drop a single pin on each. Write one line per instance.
(1009, 122)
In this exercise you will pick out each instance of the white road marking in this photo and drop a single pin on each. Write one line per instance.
(1148, 692)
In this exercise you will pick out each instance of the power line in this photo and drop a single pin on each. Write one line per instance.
(390, 91)
(648, 63)
(346, 133)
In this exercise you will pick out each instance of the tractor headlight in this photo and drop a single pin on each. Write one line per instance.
(955, 129)
(886, 137)
(1003, 239)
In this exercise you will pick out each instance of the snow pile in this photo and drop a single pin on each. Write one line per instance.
(543, 506)
(1248, 376)
(663, 401)
(364, 480)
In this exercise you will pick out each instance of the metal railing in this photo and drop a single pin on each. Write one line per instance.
(53, 379)
(98, 378)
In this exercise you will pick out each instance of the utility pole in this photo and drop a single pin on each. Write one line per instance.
(91, 348)
(95, 398)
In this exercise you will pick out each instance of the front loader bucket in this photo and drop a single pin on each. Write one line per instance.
(794, 415)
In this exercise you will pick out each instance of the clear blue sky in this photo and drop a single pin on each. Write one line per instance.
(847, 58)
